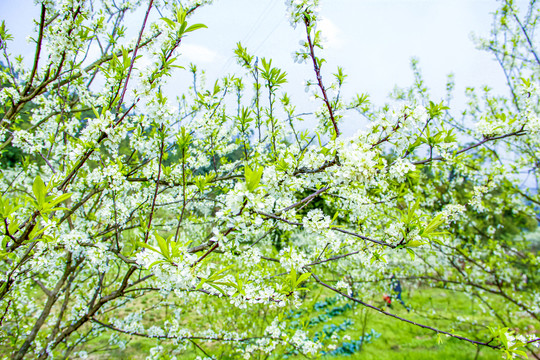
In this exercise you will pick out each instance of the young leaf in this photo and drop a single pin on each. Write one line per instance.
(434, 224)
(59, 199)
(163, 246)
(195, 27)
(39, 190)
(169, 22)
(253, 178)
(302, 278)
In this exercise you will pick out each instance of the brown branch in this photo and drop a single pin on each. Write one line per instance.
(51, 300)
(531, 46)
(520, 132)
(214, 247)
(38, 50)
(134, 56)
(319, 77)
(86, 156)
(78, 205)
(333, 258)
(170, 337)
(272, 216)
(199, 347)
(304, 200)
(156, 191)
(364, 237)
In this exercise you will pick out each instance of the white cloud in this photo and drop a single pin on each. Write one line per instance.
(330, 33)
(198, 53)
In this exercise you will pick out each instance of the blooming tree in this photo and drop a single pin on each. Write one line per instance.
(214, 204)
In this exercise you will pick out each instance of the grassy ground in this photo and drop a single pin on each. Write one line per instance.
(398, 340)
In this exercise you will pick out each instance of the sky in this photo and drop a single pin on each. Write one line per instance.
(373, 40)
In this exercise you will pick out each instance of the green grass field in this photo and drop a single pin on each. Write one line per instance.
(398, 340)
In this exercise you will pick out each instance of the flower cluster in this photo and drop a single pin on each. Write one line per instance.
(297, 9)
(316, 221)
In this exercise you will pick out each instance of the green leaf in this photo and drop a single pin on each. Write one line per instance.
(149, 247)
(436, 110)
(302, 278)
(37, 231)
(415, 243)
(200, 284)
(202, 181)
(4, 35)
(217, 88)
(59, 199)
(226, 283)
(180, 15)
(182, 28)
(217, 288)
(155, 263)
(216, 275)
(13, 226)
(291, 279)
(40, 190)
(169, 22)
(253, 177)
(195, 27)
(434, 224)
(163, 245)
(334, 219)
